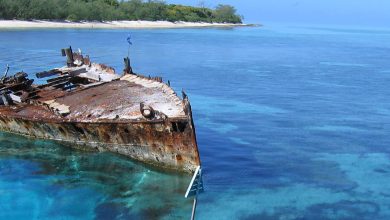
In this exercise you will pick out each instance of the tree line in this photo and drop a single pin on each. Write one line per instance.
(111, 10)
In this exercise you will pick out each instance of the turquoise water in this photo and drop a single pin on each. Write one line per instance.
(292, 123)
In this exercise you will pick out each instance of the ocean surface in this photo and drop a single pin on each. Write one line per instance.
(293, 122)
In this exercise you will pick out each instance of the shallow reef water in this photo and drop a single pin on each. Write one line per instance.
(292, 123)
(44, 180)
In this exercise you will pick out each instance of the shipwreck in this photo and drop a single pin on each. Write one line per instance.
(88, 106)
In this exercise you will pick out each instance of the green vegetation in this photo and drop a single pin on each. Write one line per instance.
(109, 10)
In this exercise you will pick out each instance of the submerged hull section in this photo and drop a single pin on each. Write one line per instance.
(155, 143)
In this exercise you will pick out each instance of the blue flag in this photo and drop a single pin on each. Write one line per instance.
(129, 40)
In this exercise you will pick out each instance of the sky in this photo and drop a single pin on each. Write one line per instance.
(374, 13)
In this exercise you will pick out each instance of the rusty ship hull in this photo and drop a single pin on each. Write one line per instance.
(87, 106)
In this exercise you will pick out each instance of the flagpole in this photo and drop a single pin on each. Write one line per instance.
(128, 69)
(129, 42)
(128, 51)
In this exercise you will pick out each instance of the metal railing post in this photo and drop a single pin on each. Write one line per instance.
(195, 187)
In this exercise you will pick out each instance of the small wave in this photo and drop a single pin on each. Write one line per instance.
(344, 64)
(333, 128)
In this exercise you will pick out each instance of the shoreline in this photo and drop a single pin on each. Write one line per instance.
(35, 24)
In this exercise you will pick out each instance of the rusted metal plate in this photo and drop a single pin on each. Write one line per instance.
(154, 143)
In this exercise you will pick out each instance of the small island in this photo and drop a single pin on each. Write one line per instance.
(113, 14)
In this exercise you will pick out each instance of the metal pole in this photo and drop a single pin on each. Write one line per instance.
(194, 207)
(5, 74)
(196, 195)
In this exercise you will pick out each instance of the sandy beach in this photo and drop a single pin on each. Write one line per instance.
(15, 24)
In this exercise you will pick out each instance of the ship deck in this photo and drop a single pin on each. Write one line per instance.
(117, 100)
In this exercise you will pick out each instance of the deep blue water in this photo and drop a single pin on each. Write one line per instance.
(292, 123)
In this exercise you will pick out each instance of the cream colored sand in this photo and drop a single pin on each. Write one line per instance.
(13, 24)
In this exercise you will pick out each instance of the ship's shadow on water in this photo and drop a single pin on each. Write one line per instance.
(46, 180)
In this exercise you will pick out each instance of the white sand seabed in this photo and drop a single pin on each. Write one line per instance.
(15, 24)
